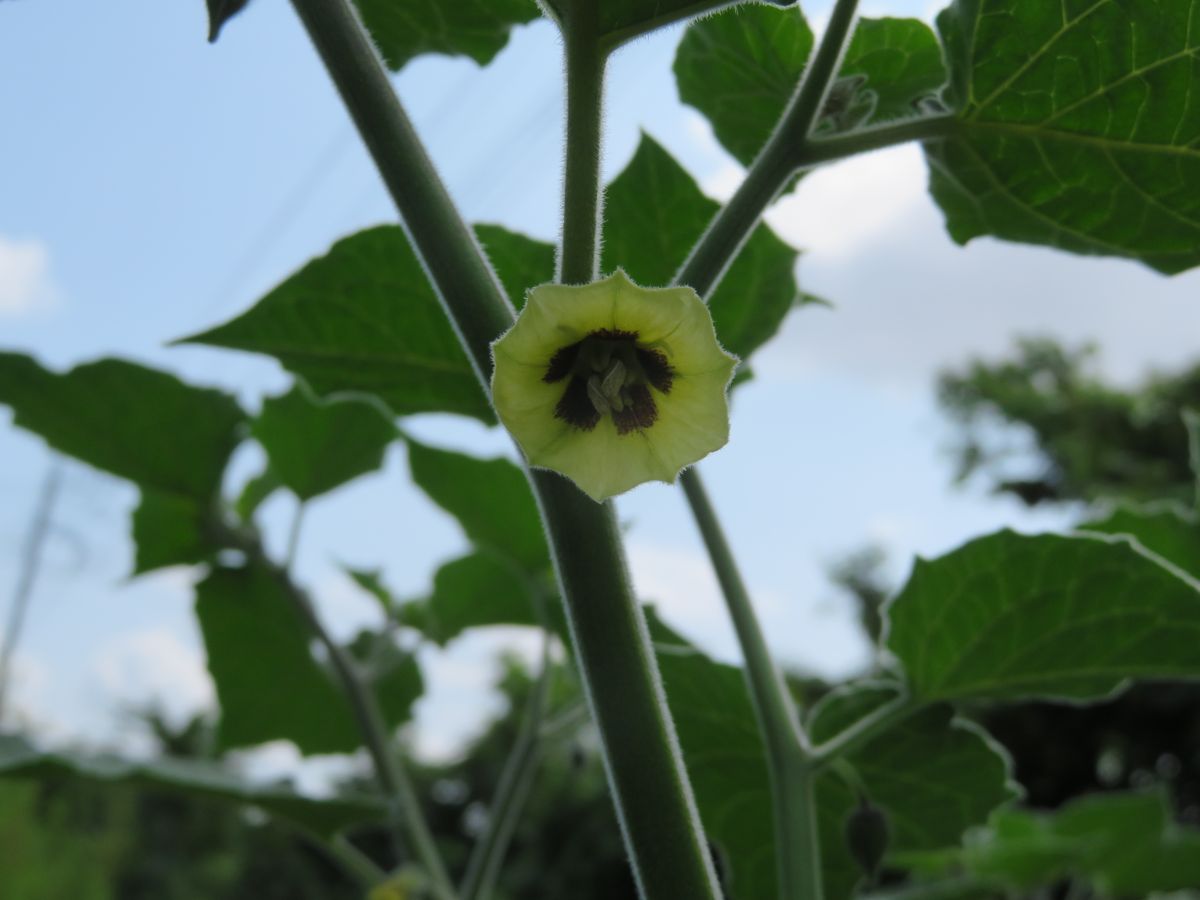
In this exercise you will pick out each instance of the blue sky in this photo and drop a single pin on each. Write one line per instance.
(154, 185)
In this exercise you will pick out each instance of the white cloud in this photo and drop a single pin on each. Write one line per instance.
(154, 666)
(803, 632)
(839, 211)
(25, 282)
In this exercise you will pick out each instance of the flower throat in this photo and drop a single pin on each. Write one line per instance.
(609, 374)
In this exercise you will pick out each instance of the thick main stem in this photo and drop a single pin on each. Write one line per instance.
(612, 647)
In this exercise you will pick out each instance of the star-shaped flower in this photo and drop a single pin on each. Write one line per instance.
(612, 384)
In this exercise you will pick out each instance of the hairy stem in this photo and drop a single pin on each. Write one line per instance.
(516, 779)
(582, 198)
(389, 770)
(612, 647)
(863, 731)
(791, 791)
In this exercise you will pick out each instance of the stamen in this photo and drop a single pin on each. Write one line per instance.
(614, 380)
(595, 390)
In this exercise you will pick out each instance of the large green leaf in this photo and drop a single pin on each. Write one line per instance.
(323, 818)
(521, 262)
(740, 69)
(137, 423)
(478, 29)
(654, 214)
(1122, 844)
(170, 530)
(1167, 530)
(363, 319)
(269, 685)
(933, 777)
(1078, 127)
(316, 446)
(392, 673)
(490, 498)
(1010, 616)
(220, 12)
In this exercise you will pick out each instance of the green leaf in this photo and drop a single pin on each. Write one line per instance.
(901, 60)
(323, 818)
(478, 29)
(392, 673)
(1010, 616)
(654, 214)
(474, 591)
(269, 685)
(363, 319)
(491, 500)
(134, 422)
(740, 69)
(255, 492)
(315, 446)
(623, 20)
(521, 262)
(1123, 844)
(170, 530)
(1077, 127)
(220, 12)
(934, 777)
(1166, 530)
(371, 581)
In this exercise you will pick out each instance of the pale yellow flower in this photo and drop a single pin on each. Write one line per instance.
(612, 384)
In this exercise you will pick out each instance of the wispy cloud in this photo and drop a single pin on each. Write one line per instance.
(25, 280)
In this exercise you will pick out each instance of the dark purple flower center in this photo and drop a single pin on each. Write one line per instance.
(607, 373)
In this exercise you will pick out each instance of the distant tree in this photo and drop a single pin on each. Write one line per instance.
(1045, 427)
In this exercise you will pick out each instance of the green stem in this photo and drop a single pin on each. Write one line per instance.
(389, 770)
(612, 646)
(582, 197)
(516, 779)
(819, 75)
(355, 863)
(863, 731)
(799, 871)
(818, 150)
(447, 248)
(31, 564)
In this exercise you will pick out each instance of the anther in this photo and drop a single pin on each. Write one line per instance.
(596, 395)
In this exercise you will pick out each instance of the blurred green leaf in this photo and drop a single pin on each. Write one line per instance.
(323, 818)
(269, 685)
(740, 69)
(1077, 127)
(316, 446)
(393, 673)
(1121, 844)
(255, 492)
(654, 214)
(521, 262)
(170, 530)
(362, 319)
(478, 29)
(371, 581)
(490, 498)
(134, 422)
(1010, 616)
(479, 590)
